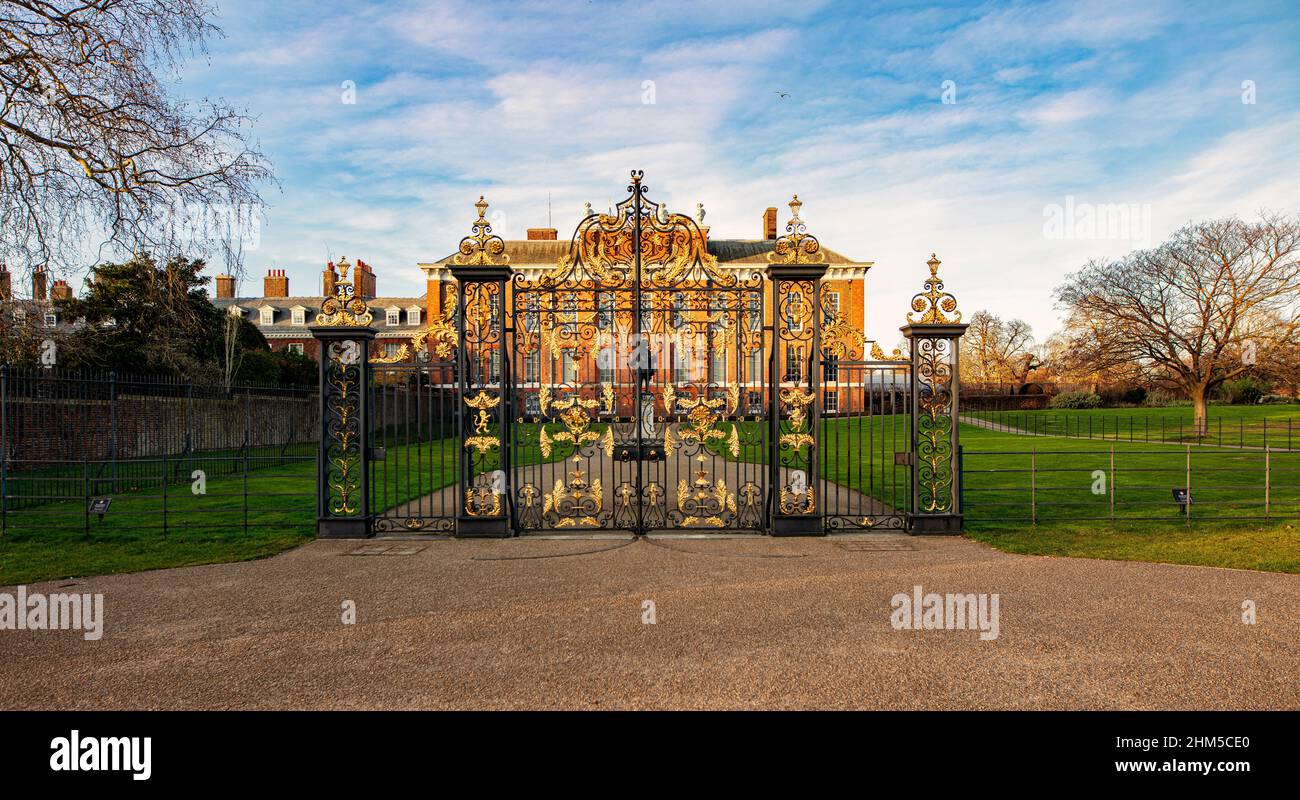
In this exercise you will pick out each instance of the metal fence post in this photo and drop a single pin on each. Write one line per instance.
(1188, 486)
(1267, 479)
(1112, 484)
(1033, 485)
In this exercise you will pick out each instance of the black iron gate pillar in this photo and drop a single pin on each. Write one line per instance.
(936, 375)
(796, 267)
(343, 335)
(486, 476)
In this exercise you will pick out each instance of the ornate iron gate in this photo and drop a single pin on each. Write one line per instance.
(638, 373)
(639, 386)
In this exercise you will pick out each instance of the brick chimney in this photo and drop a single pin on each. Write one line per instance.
(38, 284)
(543, 234)
(6, 287)
(329, 280)
(769, 224)
(275, 284)
(225, 286)
(60, 291)
(363, 280)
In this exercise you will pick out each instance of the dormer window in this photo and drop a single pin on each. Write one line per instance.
(267, 316)
(413, 315)
(394, 316)
(51, 319)
(236, 311)
(299, 315)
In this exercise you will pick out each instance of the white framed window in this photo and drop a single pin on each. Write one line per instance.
(51, 319)
(300, 316)
(294, 347)
(394, 316)
(532, 368)
(795, 310)
(831, 305)
(267, 316)
(568, 367)
(831, 401)
(793, 364)
(830, 368)
(391, 349)
(718, 367)
(413, 316)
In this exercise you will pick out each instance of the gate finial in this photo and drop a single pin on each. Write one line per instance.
(481, 248)
(934, 301)
(797, 246)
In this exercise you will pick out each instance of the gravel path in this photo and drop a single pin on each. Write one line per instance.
(750, 623)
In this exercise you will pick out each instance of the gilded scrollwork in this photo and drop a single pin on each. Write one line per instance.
(797, 246)
(939, 307)
(344, 308)
(934, 448)
(343, 427)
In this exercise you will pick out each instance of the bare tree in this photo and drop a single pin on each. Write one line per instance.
(1185, 310)
(94, 153)
(996, 352)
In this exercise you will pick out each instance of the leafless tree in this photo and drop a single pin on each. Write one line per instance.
(1187, 310)
(997, 353)
(94, 152)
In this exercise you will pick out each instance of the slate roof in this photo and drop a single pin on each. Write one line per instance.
(284, 316)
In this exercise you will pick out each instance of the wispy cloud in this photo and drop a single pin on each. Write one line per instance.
(1105, 101)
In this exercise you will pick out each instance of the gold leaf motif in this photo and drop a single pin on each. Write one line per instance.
(936, 304)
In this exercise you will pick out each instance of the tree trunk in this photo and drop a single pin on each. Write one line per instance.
(1200, 410)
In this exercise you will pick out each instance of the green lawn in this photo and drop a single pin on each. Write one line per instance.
(1274, 547)
(58, 540)
(1278, 426)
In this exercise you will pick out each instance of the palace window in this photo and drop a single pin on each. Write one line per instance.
(51, 319)
(831, 402)
(795, 311)
(793, 363)
(718, 368)
(393, 316)
(300, 316)
(605, 319)
(267, 316)
(831, 307)
(532, 367)
(391, 349)
(568, 367)
(830, 368)
(755, 366)
(531, 307)
(754, 316)
(294, 347)
(413, 316)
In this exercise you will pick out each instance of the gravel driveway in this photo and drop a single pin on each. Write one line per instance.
(741, 623)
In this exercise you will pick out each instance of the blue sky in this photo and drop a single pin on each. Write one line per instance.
(1104, 102)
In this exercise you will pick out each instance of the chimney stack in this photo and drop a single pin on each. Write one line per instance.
(769, 224)
(275, 284)
(6, 288)
(363, 280)
(329, 280)
(60, 291)
(38, 284)
(543, 234)
(225, 286)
